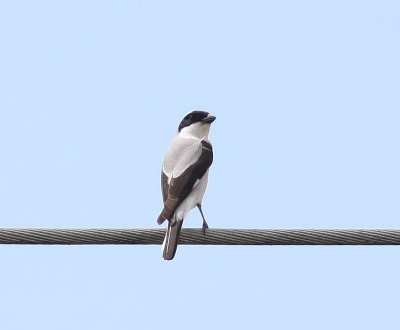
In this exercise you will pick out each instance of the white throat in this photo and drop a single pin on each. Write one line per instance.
(196, 130)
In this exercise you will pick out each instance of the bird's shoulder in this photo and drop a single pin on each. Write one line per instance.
(182, 153)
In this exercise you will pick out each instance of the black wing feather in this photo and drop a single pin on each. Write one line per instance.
(180, 187)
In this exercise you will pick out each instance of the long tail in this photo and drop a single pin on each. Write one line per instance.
(171, 239)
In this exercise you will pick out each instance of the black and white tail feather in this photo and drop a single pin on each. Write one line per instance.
(184, 175)
(170, 243)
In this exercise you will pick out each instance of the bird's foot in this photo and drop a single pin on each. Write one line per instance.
(204, 227)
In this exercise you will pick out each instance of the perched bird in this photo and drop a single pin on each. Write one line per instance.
(184, 175)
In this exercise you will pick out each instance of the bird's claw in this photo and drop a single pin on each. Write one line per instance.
(204, 227)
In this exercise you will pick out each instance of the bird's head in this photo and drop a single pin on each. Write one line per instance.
(196, 123)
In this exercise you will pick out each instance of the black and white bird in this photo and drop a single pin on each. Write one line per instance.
(184, 175)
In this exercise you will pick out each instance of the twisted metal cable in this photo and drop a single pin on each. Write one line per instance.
(196, 237)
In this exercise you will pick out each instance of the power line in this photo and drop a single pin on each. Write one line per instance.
(193, 236)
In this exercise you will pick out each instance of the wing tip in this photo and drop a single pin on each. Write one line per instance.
(161, 219)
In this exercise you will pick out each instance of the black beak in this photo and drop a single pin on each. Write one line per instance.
(209, 119)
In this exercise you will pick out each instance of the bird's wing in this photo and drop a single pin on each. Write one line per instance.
(179, 156)
(179, 186)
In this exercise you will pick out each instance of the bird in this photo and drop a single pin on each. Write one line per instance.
(184, 175)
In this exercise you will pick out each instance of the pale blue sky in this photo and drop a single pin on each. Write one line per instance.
(306, 95)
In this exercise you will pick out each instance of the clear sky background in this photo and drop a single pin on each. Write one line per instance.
(307, 99)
